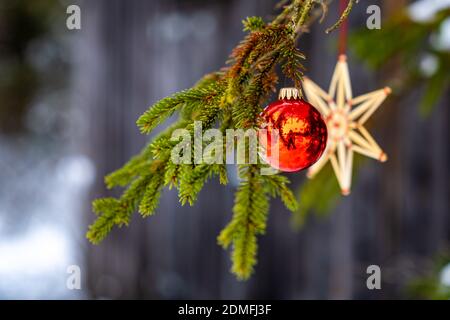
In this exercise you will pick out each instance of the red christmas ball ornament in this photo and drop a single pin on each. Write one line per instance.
(296, 134)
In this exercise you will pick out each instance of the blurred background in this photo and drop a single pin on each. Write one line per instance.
(69, 100)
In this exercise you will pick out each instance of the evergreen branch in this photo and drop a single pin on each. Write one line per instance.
(116, 212)
(171, 175)
(244, 252)
(246, 112)
(140, 163)
(103, 205)
(286, 14)
(221, 170)
(253, 24)
(276, 186)
(150, 199)
(230, 98)
(343, 16)
(164, 108)
(129, 171)
(192, 180)
(131, 198)
(306, 8)
(249, 219)
(292, 67)
(162, 145)
(102, 226)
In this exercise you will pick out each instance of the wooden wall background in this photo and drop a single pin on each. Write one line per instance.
(131, 53)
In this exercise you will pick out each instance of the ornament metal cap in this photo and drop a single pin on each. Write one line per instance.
(288, 93)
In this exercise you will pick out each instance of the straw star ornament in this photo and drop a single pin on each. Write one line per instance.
(345, 117)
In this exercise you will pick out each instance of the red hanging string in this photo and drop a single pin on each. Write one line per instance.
(343, 32)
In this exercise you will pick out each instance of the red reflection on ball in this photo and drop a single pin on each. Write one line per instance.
(301, 138)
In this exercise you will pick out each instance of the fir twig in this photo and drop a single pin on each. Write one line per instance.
(343, 16)
(249, 220)
(231, 98)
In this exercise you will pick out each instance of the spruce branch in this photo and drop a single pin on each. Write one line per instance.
(231, 98)
(150, 199)
(343, 16)
(117, 212)
(167, 106)
(277, 186)
(249, 220)
(192, 181)
(129, 171)
(304, 13)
